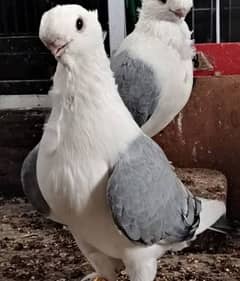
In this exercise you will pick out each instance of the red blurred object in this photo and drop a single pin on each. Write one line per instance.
(224, 57)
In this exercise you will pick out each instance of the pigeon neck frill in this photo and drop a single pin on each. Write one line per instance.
(74, 75)
(153, 11)
(175, 35)
(85, 99)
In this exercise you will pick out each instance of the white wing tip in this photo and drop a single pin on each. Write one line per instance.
(212, 211)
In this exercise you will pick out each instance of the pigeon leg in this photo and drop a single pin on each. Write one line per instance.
(142, 270)
(105, 267)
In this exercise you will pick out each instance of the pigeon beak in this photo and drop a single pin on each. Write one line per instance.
(56, 47)
(180, 13)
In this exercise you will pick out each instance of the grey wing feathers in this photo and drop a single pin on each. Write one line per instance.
(137, 86)
(30, 183)
(148, 202)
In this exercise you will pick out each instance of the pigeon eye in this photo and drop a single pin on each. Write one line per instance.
(163, 1)
(79, 24)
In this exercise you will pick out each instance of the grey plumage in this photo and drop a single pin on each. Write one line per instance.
(30, 183)
(137, 86)
(148, 202)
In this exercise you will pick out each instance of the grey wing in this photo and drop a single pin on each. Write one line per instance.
(30, 183)
(149, 203)
(137, 86)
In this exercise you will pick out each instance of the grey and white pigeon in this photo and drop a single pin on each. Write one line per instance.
(97, 172)
(153, 66)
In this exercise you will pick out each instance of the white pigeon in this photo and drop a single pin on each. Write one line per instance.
(153, 66)
(97, 172)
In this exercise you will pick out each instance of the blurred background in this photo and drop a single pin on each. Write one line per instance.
(202, 19)
(25, 66)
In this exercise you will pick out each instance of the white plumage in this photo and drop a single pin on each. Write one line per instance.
(99, 174)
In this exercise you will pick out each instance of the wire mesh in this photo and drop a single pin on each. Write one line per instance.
(23, 17)
(203, 20)
(24, 59)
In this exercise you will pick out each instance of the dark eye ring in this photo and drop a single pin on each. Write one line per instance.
(79, 24)
(164, 1)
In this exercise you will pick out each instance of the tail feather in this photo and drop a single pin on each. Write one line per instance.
(211, 211)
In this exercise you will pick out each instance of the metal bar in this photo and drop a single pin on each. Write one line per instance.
(193, 21)
(212, 14)
(218, 22)
(117, 23)
(230, 21)
(201, 9)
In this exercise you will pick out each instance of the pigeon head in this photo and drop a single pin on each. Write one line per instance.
(70, 30)
(169, 10)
